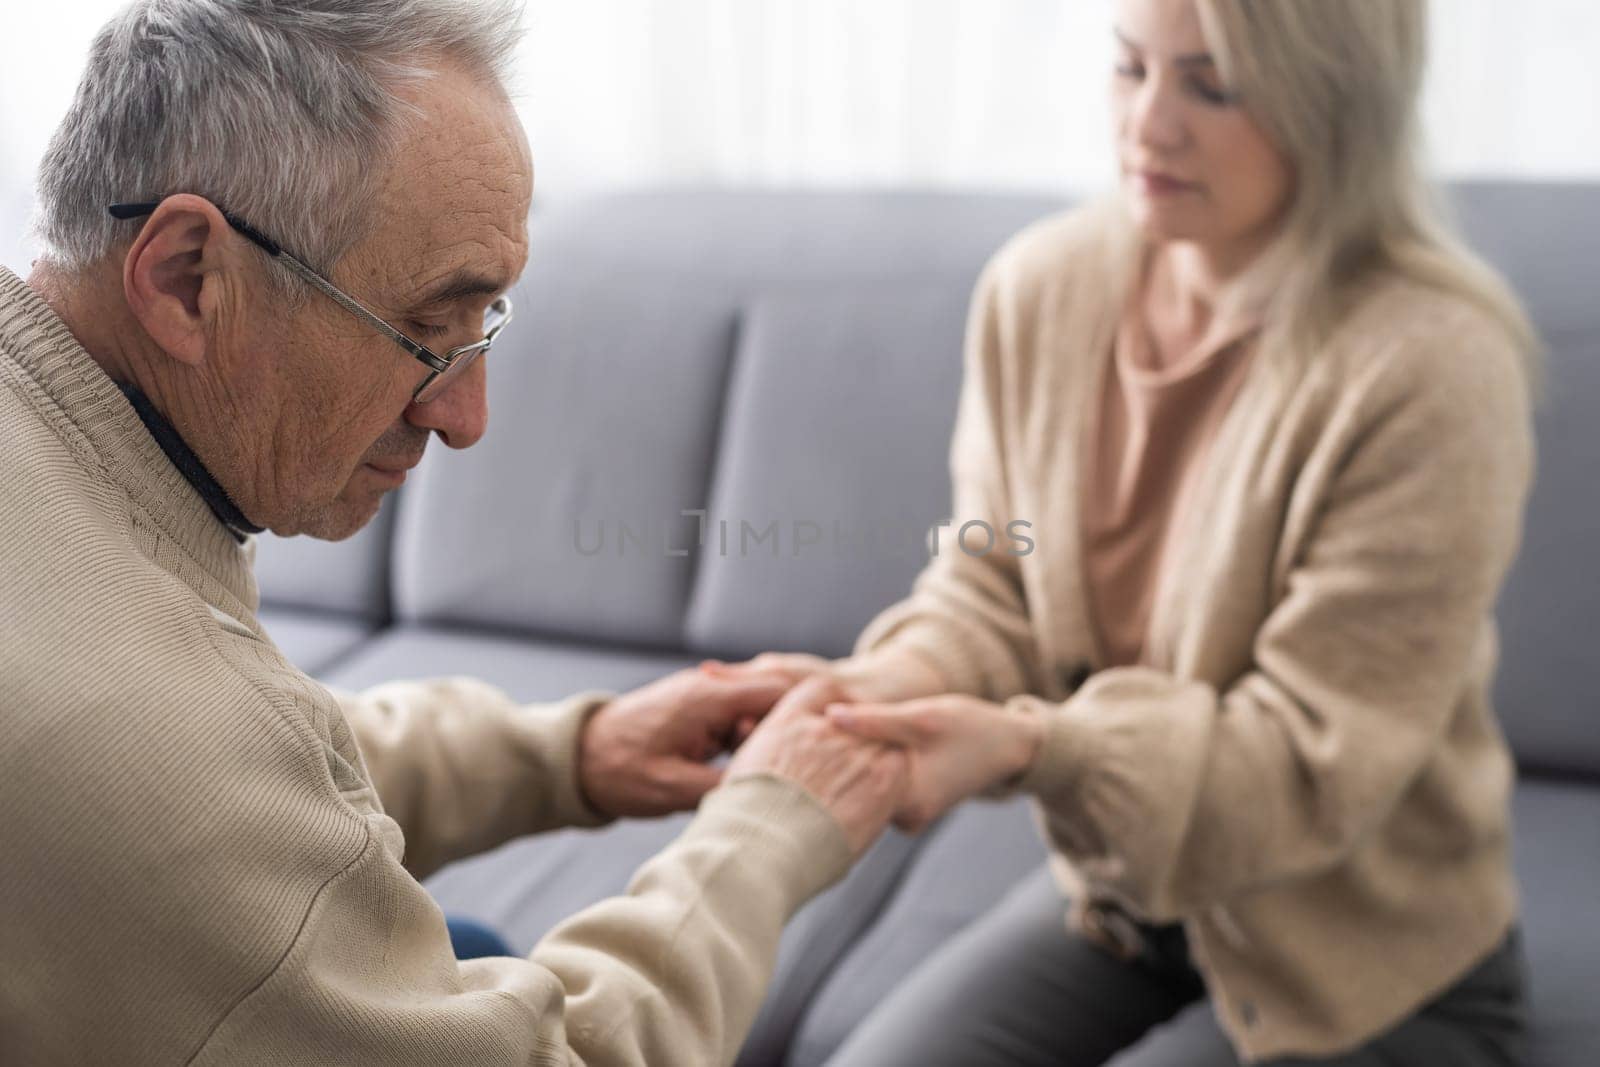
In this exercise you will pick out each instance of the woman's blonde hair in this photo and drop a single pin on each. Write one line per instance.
(1335, 84)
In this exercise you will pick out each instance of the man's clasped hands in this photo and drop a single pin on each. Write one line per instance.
(873, 738)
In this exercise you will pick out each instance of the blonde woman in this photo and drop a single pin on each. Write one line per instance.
(1271, 427)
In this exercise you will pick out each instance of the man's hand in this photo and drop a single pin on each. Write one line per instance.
(648, 752)
(958, 746)
(860, 783)
(879, 677)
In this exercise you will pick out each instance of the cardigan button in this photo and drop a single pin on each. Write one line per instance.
(1247, 1013)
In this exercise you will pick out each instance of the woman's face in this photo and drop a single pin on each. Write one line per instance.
(1195, 166)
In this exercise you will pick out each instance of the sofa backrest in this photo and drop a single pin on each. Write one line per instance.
(787, 363)
(346, 578)
(1546, 239)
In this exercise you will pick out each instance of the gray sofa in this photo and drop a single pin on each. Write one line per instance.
(794, 358)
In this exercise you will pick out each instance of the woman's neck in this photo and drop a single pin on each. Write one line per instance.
(1185, 289)
(1201, 273)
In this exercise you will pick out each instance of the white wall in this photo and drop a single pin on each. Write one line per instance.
(989, 93)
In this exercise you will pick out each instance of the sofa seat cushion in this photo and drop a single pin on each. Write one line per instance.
(1557, 842)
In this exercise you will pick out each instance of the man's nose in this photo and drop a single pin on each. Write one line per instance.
(460, 414)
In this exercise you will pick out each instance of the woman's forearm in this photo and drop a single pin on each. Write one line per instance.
(889, 675)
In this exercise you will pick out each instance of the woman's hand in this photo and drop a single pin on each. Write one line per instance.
(958, 746)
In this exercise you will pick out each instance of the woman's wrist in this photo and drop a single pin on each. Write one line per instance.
(1028, 728)
(1023, 730)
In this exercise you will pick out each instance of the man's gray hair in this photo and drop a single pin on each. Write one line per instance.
(282, 112)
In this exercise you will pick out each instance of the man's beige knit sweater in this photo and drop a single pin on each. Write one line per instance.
(197, 866)
(1305, 768)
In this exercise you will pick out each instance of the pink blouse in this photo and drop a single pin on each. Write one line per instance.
(1151, 429)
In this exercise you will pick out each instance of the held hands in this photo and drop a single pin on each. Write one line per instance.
(862, 736)
(649, 752)
(958, 746)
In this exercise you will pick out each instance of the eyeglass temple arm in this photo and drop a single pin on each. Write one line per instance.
(273, 249)
(147, 207)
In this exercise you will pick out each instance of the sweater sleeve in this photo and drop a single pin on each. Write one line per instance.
(671, 972)
(1174, 795)
(463, 769)
(967, 614)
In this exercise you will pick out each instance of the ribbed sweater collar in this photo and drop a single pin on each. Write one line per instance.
(189, 465)
(123, 448)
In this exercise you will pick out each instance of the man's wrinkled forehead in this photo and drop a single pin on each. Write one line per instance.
(453, 207)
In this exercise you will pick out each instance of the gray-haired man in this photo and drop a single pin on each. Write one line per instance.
(279, 237)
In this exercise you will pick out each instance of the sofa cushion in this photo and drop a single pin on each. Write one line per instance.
(838, 421)
(1543, 239)
(1557, 840)
(1549, 677)
(605, 392)
(529, 670)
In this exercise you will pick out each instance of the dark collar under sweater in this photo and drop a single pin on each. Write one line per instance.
(189, 465)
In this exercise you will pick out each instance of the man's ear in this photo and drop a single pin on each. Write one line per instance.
(173, 274)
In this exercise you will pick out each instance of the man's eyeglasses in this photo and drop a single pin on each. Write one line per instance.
(442, 370)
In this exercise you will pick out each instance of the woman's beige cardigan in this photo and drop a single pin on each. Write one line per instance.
(1307, 771)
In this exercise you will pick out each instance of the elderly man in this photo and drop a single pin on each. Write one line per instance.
(278, 235)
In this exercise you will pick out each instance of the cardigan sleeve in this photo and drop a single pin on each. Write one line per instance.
(464, 769)
(967, 614)
(1174, 795)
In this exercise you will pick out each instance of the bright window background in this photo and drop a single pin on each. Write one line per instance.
(1005, 94)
